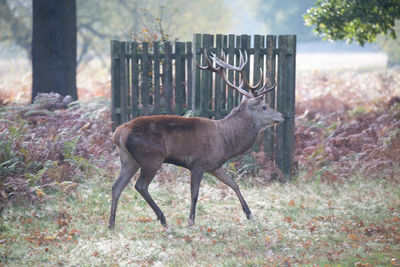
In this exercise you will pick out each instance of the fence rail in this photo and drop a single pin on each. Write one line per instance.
(161, 78)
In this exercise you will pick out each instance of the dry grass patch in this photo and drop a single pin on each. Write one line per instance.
(294, 223)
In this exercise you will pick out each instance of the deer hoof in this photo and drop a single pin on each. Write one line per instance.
(190, 222)
(250, 216)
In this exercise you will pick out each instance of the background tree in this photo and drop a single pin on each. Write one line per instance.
(392, 46)
(54, 47)
(359, 20)
(100, 21)
(16, 24)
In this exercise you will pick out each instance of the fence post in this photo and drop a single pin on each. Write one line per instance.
(286, 103)
(115, 86)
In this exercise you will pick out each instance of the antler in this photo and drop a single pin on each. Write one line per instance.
(221, 71)
(223, 66)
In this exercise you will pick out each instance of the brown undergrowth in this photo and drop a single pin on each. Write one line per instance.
(42, 148)
(350, 127)
(346, 123)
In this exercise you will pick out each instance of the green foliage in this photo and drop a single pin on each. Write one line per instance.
(357, 20)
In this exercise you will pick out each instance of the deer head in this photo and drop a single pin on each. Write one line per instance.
(262, 115)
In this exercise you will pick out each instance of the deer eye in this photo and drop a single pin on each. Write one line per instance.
(264, 108)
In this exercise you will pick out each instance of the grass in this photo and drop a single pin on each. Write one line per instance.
(356, 222)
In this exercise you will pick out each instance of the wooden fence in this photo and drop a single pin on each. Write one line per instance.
(161, 78)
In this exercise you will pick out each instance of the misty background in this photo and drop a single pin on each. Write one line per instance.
(100, 21)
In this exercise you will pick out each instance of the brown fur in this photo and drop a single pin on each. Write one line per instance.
(198, 144)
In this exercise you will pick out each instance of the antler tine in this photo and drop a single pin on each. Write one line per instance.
(209, 64)
(237, 88)
(223, 55)
(264, 90)
(243, 62)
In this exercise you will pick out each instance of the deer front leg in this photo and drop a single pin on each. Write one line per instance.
(223, 177)
(196, 177)
(142, 186)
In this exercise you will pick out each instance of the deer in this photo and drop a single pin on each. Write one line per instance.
(198, 144)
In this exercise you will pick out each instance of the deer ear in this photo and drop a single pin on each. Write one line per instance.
(254, 101)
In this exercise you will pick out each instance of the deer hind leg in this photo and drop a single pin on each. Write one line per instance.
(196, 177)
(147, 174)
(223, 177)
(128, 168)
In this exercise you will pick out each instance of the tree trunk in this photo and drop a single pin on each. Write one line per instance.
(54, 47)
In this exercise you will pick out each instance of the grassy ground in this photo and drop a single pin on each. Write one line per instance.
(356, 222)
(330, 216)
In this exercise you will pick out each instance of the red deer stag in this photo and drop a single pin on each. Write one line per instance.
(198, 144)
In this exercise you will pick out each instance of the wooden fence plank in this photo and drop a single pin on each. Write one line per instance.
(223, 87)
(257, 59)
(197, 73)
(290, 105)
(210, 81)
(134, 80)
(231, 61)
(244, 46)
(269, 139)
(123, 83)
(145, 78)
(206, 78)
(285, 103)
(167, 71)
(189, 79)
(218, 84)
(183, 81)
(179, 77)
(237, 97)
(156, 71)
(115, 86)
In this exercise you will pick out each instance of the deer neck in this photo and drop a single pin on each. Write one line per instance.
(238, 132)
